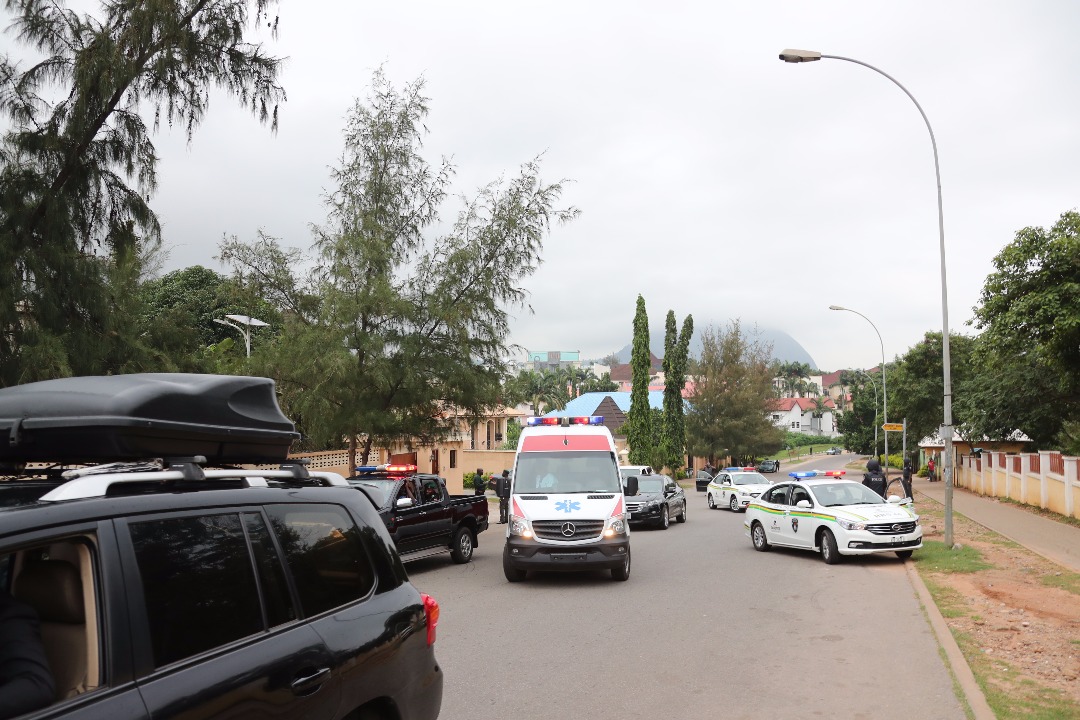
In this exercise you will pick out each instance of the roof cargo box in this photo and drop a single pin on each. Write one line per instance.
(229, 419)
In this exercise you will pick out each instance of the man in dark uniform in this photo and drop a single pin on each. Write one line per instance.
(26, 682)
(502, 490)
(479, 486)
(906, 479)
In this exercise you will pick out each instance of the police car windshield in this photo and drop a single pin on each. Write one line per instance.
(566, 472)
(749, 478)
(846, 493)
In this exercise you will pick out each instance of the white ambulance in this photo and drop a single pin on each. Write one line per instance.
(566, 500)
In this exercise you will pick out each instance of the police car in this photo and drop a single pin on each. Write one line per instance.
(833, 517)
(734, 488)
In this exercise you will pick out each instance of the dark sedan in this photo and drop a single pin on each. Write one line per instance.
(769, 466)
(659, 499)
(702, 480)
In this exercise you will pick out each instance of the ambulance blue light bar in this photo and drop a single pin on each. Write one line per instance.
(565, 421)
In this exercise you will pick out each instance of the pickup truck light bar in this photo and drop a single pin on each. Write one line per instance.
(88, 486)
(565, 421)
(386, 468)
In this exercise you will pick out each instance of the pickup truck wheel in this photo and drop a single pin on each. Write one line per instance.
(512, 573)
(462, 546)
(623, 571)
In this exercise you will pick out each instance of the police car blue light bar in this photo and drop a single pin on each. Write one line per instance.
(565, 421)
(803, 474)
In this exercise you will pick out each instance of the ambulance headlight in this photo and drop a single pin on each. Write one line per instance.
(850, 525)
(520, 526)
(615, 526)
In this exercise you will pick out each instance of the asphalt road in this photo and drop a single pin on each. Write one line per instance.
(705, 627)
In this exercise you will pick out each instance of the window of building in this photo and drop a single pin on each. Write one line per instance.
(453, 459)
(324, 551)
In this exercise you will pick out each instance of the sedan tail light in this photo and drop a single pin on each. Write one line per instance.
(431, 614)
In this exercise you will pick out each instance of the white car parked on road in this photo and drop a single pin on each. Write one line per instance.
(833, 517)
(735, 490)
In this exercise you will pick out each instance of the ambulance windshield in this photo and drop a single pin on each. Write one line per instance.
(566, 472)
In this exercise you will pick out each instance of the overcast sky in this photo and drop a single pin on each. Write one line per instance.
(712, 178)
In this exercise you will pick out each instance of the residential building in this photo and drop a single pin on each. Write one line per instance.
(801, 415)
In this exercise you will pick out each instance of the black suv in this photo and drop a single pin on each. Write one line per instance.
(168, 589)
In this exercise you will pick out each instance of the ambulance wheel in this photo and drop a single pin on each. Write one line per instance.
(665, 517)
(623, 571)
(734, 504)
(681, 517)
(829, 552)
(903, 554)
(712, 503)
(757, 534)
(512, 573)
(462, 546)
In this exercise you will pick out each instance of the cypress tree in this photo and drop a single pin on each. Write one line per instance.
(676, 350)
(639, 419)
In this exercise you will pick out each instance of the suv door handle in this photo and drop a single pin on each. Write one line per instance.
(307, 684)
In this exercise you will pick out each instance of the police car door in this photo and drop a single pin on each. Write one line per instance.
(799, 529)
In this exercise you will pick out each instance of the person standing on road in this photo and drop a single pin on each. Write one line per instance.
(502, 490)
(906, 479)
(930, 469)
(873, 478)
(478, 482)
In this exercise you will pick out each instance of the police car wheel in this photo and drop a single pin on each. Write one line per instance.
(829, 552)
(734, 504)
(462, 546)
(757, 533)
(903, 554)
(712, 502)
(622, 572)
(665, 517)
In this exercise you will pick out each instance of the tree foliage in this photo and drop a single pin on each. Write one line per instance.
(733, 397)
(76, 173)
(398, 322)
(1029, 352)
(638, 426)
(676, 351)
(917, 389)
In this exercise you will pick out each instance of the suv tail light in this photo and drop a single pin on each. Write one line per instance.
(431, 613)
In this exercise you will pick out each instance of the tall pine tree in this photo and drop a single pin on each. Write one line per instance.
(639, 436)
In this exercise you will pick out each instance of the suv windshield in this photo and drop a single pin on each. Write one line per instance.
(566, 472)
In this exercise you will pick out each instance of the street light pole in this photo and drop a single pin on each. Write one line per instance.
(248, 323)
(797, 56)
(884, 389)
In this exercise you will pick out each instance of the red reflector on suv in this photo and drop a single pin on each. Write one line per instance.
(431, 612)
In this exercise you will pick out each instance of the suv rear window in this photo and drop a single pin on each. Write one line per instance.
(324, 551)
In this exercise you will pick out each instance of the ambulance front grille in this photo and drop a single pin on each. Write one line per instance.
(566, 530)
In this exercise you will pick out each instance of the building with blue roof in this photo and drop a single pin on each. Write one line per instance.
(612, 405)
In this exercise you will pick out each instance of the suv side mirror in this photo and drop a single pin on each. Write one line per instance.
(631, 487)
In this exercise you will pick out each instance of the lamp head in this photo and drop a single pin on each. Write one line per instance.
(837, 307)
(799, 56)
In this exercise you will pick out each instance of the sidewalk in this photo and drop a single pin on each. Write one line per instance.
(1053, 540)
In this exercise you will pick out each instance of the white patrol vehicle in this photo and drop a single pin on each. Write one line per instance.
(735, 489)
(566, 501)
(833, 517)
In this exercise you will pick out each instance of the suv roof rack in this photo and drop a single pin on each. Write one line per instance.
(83, 484)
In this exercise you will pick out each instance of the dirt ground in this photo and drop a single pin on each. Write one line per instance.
(1016, 624)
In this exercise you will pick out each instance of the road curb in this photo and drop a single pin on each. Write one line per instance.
(973, 694)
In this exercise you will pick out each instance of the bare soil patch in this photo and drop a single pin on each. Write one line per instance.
(1018, 621)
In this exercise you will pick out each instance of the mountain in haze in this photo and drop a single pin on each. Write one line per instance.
(785, 347)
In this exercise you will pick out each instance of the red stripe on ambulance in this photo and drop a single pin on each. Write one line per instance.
(548, 443)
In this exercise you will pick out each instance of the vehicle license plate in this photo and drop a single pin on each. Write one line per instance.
(568, 556)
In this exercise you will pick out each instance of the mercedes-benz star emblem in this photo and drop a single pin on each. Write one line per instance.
(568, 529)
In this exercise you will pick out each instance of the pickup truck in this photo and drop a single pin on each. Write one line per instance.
(421, 517)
